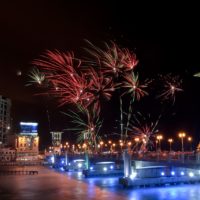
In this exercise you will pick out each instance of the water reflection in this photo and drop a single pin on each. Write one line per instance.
(49, 184)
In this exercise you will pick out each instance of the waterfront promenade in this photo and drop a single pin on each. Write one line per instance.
(50, 184)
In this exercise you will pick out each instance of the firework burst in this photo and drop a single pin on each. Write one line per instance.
(145, 129)
(136, 90)
(67, 83)
(87, 126)
(100, 88)
(36, 77)
(133, 86)
(172, 86)
(112, 60)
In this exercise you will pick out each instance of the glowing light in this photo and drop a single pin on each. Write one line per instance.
(106, 162)
(52, 159)
(79, 160)
(182, 135)
(111, 167)
(182, 173)
(91, 168)
(172, 173)
(80, 165)
(133, 175)
(191, 174)
(29, 123)
(62, 169)
(105, 169)
(162, 173)
(79, 174)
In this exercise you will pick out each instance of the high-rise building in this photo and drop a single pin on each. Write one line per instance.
(5, 119)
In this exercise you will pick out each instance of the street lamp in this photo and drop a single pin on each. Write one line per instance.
(113, 146)
(110, 143)
(129, 144)
(190, 141)
(170, 140)
(137, 139)
(182, 135)
(159, 138)
(101, 146)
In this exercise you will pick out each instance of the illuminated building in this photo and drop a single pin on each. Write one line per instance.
(7, 155)
(27, 142)
(5, 106)
(56, 141)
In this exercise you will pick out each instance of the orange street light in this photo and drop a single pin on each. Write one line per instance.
(159, 138)
(170, 140)
(182, 136)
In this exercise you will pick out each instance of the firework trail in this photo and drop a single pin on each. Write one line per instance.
(197, 74)
(172, 85)
(135, 89)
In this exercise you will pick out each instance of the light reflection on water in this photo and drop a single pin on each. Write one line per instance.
(180, 192)
(53, 185)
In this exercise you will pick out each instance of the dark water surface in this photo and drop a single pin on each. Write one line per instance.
(52, 185)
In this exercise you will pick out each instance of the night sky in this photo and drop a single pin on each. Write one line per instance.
(164, 37)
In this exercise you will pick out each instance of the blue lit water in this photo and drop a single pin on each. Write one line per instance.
(53, 185)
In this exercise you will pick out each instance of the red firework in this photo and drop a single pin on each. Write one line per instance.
(71, 83)
(172, 85)
(112, 59)
(99, 88)
(66, 83)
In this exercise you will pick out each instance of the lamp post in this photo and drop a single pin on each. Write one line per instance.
(101, 146)
(113, 145)
(110, 143)
(190, 141)
(137, 139)
(182, 136)
(170, 140)
(159, 138)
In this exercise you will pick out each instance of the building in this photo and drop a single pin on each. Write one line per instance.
(7, 155)
(27, 142)
(5, 120)
(56, 141)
